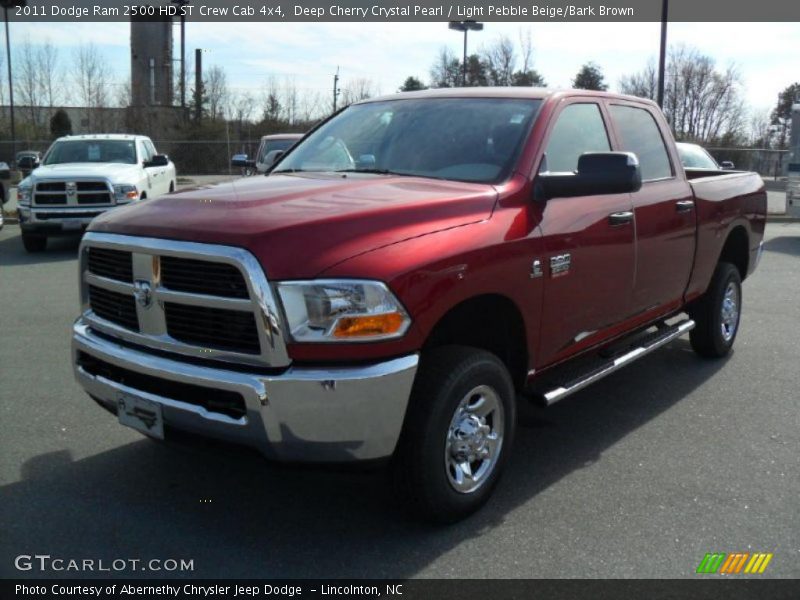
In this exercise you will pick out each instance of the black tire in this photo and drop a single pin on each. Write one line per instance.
(446, 378)
(713, 335)
(34, 243)
(171, 187)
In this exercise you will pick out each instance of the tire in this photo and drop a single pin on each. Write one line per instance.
(171, 187)
(34, 243)
(717, 313)
(444, 429)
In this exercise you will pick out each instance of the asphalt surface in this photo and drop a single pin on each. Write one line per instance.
(637, 476)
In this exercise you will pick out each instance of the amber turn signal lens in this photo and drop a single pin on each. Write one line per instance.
(369, 325)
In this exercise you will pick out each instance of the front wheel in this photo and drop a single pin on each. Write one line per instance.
(717, 313)
(34, 243)
(457, 435)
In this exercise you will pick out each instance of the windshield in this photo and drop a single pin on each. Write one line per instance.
(695, 157)
(92, 151)
(464, 139)
(271, 145)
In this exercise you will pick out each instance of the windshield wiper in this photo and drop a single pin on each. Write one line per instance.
(288, 171)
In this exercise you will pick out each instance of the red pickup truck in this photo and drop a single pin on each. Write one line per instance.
(408, 272)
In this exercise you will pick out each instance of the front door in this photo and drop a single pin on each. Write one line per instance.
(589, 242)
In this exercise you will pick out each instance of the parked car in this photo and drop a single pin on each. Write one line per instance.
(84, 176)
(272, 147)
(694, 156)
(27, 161)
(451, 251)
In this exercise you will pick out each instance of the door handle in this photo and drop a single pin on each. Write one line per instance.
(684, 205)
(620, 218)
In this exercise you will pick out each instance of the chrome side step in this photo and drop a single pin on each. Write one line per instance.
(658, 339)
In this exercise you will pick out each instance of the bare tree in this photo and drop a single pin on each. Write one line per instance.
(51, 77)
(526, 49)
(358, 89)
(446, 71)
(289, 98)
(92, 82)
(500, 59)
(28, 84)
(702, 103)
(271, 106)
(216, 88)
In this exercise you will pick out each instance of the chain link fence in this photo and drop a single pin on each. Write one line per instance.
(212, 157)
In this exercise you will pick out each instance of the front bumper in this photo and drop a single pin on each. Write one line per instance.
(55, 221)
(306, 414)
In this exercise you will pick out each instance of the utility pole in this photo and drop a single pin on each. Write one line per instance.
(336, 89)
(662, 55)
(198, 84)
(6, 5)
(465, 26)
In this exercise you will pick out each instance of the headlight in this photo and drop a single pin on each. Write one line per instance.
(24, 194)
(125, 193)
(328, 310)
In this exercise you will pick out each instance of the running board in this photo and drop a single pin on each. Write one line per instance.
(644, 347)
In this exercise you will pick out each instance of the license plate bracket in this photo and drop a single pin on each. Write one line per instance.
(71, 225)
(140, 414)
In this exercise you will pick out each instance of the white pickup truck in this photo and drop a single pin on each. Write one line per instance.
(83, 176)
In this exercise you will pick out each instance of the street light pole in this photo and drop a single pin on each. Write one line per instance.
(465, 26)
(6, 5)
(662, 56)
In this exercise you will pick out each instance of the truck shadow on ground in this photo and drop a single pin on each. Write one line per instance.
(58, 249)
(236, 515)
(785, 244)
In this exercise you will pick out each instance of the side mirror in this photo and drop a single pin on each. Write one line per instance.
(598, 173)
(241, 160)
(727, 165)
(158, 160)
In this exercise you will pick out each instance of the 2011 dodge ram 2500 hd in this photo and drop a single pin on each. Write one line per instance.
(408, 270)
(83, 176)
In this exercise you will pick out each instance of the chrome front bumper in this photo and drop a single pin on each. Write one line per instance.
(332, 414)
(59, 219)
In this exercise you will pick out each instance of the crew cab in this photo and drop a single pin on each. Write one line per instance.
(83, 176)
(407, 273)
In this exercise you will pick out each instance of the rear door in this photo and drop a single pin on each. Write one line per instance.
(664, 211)
(588, 266)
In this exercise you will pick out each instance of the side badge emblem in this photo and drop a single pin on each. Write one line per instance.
(559, 265)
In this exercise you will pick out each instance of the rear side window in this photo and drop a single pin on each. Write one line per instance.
(640, 135)
(579, 129)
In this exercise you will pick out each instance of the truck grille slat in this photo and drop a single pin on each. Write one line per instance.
(202, 277)
(113, 306)
(49, 193)
(214, 327)
(114, 264)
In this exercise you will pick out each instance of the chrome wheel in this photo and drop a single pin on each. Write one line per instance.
(729, 320)
(474, 439)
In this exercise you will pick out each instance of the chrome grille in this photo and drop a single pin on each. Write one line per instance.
(73, 193)
(201, 300)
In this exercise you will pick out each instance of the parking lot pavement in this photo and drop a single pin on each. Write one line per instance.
(637, 476)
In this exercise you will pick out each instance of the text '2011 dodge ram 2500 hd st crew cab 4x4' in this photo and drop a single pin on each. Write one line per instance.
(83, 176)
(406, 272)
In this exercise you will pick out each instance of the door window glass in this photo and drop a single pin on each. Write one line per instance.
(579, 129)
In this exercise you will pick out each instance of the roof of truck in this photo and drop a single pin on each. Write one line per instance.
(104, 136)
(501, 92)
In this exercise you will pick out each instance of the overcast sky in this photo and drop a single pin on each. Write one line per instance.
(766, 54)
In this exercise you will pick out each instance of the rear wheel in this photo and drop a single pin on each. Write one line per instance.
(717, 313)
(33, 242)
(457, 435)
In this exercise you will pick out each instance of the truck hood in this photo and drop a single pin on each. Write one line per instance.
(299, 225)
(114, 172)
